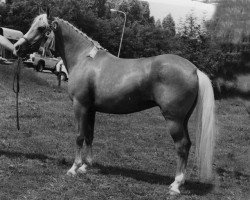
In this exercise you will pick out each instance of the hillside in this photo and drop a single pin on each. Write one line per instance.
(134, 156)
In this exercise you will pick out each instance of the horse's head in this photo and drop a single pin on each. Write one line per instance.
(38, 33)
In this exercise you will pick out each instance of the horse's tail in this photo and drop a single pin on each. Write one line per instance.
(206, 127)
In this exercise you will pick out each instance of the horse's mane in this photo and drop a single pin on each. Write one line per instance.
(95, 43)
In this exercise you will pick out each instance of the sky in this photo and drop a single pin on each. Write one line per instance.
(179, 9)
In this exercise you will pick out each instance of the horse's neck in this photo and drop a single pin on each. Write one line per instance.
(71, 43)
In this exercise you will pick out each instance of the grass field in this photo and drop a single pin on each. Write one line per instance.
(134, 156)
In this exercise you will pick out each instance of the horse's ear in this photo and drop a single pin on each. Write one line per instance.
(49, 15)
(54, 25)
(48, 12)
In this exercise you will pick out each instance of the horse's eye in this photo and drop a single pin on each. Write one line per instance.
(47, 33)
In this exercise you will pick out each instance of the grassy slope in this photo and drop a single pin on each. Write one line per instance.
(134, 157)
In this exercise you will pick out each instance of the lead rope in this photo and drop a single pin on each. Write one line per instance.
(16, 89)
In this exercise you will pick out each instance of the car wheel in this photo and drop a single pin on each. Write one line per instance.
(53, 70)
(63, 76)
(39, 67)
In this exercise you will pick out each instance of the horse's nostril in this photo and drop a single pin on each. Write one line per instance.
(17, 47)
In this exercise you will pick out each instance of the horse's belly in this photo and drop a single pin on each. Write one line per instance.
(125, 109)
(123, 105)
(130, 93)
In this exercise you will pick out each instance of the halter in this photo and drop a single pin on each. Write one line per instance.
(47, 33)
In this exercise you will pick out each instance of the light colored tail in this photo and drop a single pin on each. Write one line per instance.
(206, 128)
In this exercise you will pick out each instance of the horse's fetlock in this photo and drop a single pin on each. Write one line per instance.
(78, 164)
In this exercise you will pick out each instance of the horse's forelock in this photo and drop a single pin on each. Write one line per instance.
(43, 17)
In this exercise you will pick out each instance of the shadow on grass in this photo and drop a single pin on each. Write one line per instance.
(193, 187)
(36, 156)
(32, 156)
(233, 174)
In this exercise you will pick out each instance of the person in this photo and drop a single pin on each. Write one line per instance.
(61, 70)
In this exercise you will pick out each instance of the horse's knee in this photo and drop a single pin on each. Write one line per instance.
(183, 148)
(189, 143)
(79, 141)
(185, 142)
(181, 138)
(89, 139)
(175, 130)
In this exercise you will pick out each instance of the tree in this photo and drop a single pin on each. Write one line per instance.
(190, 27)
(3, 14)
(136, 11)
(231, 21)
(169, 24)
(230, 31)
(100, 7)
(158, 24)
(21, 13)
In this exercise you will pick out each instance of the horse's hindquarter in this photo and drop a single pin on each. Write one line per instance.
(175, 84)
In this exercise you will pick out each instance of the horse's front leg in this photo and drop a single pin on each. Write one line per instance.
(85, 119)
(88, 138)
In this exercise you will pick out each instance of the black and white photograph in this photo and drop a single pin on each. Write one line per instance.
(124, 99)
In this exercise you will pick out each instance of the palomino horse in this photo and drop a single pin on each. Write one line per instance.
(101, 82)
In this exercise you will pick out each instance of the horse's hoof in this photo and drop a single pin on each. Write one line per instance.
(71, 173)
(82, 169)
(174, 192)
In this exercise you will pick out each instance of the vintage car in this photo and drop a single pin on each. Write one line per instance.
(4, 61)
(42, 62)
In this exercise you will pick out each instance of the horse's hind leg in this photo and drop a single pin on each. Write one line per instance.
(85, 119)
(178, 131)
